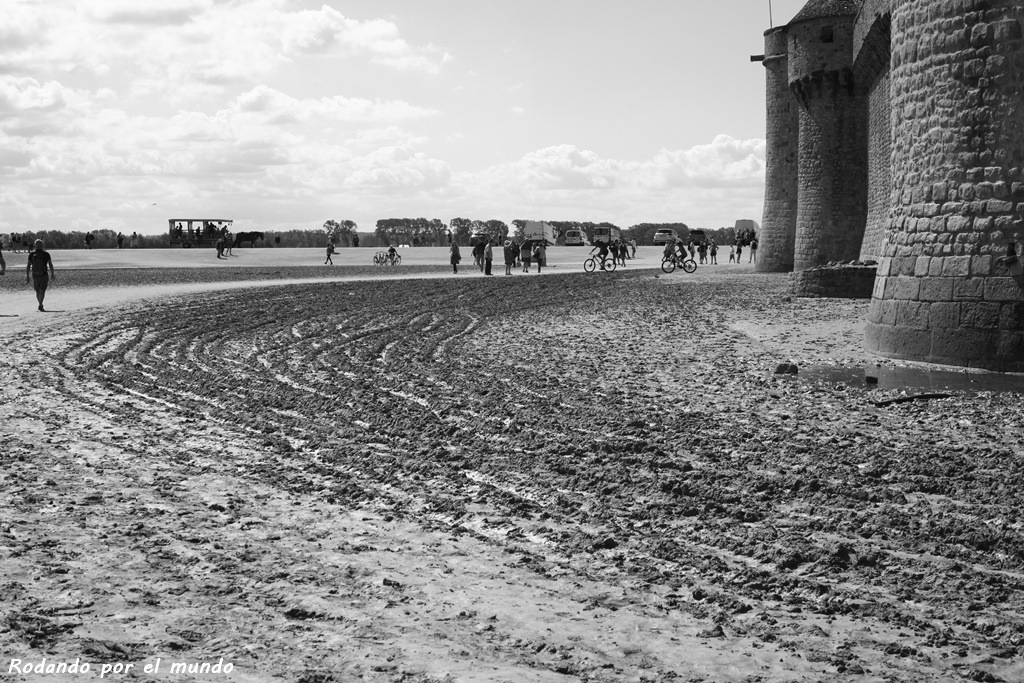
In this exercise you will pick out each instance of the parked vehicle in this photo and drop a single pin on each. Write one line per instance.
(539, 231)
(606, 234)
(665, 235)
(575, 237)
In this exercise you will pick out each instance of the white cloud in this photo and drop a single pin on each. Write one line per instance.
(277, 107)
(399, 167)
(195, 46)
(155, 12)
(566, 182)
(27, 95)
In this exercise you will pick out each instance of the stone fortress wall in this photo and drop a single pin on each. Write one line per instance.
(910, 141)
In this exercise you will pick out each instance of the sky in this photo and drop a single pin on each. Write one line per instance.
(283, 114)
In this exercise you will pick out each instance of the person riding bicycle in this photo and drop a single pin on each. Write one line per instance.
(602, 250)
(684, 250)
(392, 254)
(670, 250)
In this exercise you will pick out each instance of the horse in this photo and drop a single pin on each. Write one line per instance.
(249, 237)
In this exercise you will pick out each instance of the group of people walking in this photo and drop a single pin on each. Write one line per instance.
(515, 254)
(617, 250)
(706, 251)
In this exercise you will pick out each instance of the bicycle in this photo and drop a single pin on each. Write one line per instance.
(670, 263)
(382, 258)
(592, 264)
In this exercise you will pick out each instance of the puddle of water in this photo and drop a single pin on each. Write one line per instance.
(912, 378)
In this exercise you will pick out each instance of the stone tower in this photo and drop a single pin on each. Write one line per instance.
(832, 176)
(950, 286)
(778, 225)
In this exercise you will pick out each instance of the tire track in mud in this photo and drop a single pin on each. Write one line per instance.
(529, 419)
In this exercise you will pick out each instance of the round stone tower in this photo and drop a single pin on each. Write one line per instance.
(778, 224)
(949, 286)
(832, 206)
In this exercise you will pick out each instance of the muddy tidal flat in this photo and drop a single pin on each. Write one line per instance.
(564, 477)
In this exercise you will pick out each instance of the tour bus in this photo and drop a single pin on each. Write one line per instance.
(606, 234)
(575, 237)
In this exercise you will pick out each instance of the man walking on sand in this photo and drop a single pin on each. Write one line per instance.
(38, 262)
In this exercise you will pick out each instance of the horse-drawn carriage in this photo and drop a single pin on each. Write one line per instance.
(189, 232)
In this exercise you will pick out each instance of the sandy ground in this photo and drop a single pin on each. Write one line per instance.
(454, 478)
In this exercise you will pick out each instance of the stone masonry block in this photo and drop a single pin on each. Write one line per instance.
(1004, 31)
(875, 309)
(981, 266)
(980, 314)
(897, 341)
(906, 289)
(943, 315)
(997, 206)
(921, 268)
(1003, 289)
(1010, 351)
(936, 289)
(958, 345)
(935, 266)
(986, 314)
(958, 223)
(884, 267)
(999, 267)
(969, 288)
(912, 314)
(887, 312)
(1011, 316)
(908, 265)
(956, 266)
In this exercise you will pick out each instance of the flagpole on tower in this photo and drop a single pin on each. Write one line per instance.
(771, 22)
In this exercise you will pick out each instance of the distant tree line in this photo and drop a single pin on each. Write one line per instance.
(107, 239)
(416, 232)
(420, 232)
(75, 239)
(342, 233)
(464, 228)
